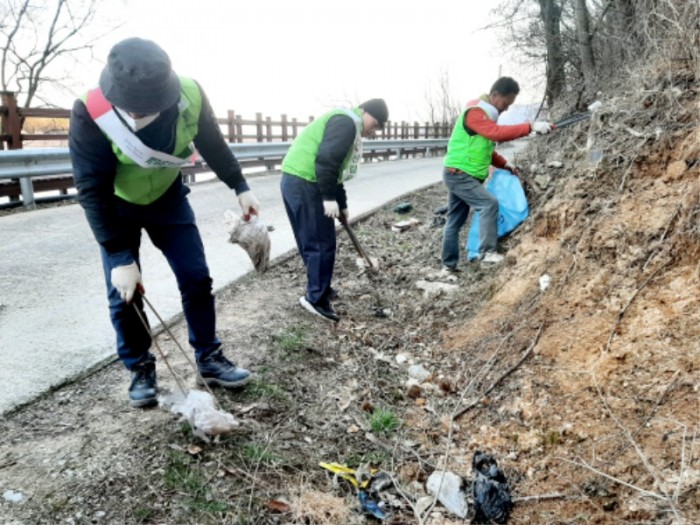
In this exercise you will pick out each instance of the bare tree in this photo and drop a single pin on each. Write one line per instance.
(583, 32)
(590, 44)
(35, 36)
(442, 107)
(550, 12)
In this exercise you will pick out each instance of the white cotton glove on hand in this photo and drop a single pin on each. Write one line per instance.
(126, 279)
(331, 209)
(542, 127)
(249, 204)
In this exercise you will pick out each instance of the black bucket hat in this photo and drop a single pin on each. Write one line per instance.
(377, 108)
(139, 78)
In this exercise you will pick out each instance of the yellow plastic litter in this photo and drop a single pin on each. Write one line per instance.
(347, 474)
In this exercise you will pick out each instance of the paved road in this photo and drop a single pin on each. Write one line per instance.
(54, 323)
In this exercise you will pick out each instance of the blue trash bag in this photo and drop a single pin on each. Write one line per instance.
(512, 208)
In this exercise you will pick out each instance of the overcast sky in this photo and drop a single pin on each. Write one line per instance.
(306, 56)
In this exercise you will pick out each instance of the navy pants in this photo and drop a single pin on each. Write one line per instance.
(314, 233)
(172, 229)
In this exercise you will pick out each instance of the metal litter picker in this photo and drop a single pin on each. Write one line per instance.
(369, 262)
(200, 409)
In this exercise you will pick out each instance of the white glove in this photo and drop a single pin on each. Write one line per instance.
(249, 204)
(331, 209)
(346, 214)
(126, 279)
(542, 127)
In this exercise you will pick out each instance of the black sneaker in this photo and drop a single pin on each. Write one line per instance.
(333, 294)
(325, 312)
(143, 391)
(215, 369)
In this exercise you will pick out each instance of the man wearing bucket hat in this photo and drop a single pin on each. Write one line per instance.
(324, 155)
(128, 141)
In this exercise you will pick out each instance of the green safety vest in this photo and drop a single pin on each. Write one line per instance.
(471, 153)
(141, 185)
(301, 157)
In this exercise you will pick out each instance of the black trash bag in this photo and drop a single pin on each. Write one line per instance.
(492, 501)
(403, 207)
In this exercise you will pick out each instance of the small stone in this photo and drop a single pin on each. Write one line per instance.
(401, 358)
(542, 180)
(13, 496)
(414, 392)
(418, 372)
(435, 288)
(674, 170)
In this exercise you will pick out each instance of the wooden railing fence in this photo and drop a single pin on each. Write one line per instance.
(234, 127)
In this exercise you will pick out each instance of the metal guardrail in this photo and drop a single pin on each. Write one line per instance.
(26, 164)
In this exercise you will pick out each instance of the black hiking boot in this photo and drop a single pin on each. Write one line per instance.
(215, 369)
(143, 391)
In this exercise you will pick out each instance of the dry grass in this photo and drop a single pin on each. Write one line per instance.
(593, 414)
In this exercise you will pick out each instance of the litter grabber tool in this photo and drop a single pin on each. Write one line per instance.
(368, 261)
(178, 380)
(200, 409)
(572, 119)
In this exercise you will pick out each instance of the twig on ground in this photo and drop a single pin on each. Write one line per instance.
(638, 450)
(629, 168)
(527, 353)
(681, 472)
(582, 463)
(663, 236)
(258, 462)
(621, 313)
(484, 368)
(542, 497)
(416, 513)
(669, 387)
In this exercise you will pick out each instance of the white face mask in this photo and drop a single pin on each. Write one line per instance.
(136, 124)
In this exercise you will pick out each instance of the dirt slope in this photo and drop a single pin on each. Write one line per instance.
(585, 392)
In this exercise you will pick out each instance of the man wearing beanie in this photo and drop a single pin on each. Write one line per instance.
(470, 152)
(128, 140)
(324, 155)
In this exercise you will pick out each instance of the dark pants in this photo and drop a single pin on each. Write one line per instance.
(172, 229)
(314, 233)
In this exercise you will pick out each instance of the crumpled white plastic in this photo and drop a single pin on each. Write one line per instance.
(199, 408)
(252, 236)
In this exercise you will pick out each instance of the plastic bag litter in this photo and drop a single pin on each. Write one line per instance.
(447, 486)
(200, 410)
(512, 208)
(490, 490)
(252, 236)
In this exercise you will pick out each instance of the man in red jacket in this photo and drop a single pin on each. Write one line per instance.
(470, 152)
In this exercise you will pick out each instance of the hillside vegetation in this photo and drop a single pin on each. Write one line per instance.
(586, 392)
